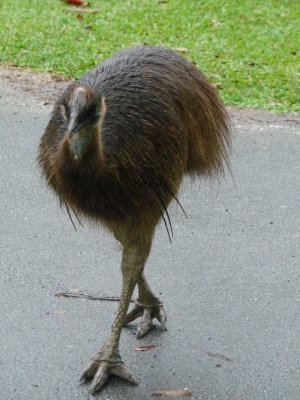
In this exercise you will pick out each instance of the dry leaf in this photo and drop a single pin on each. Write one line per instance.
(217, 84)
(214, 76)
(172, 393)
(145, 347)
(64, 29)
(181, 49)
(77, 3)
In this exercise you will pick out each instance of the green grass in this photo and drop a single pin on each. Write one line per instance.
(249, 49)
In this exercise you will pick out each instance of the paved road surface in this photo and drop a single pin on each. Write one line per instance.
(230, 282)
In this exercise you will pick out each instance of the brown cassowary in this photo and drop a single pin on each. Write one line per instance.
(119, 141)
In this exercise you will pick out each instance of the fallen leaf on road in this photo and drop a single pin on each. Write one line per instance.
(172, 393)
(145, 347)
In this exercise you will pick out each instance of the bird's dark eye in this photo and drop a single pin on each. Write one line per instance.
(92, 111)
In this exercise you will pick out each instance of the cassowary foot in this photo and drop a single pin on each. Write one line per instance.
(100, 370)
(148, 313)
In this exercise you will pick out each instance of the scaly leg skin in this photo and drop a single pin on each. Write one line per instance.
(108, 361)
(148, 307)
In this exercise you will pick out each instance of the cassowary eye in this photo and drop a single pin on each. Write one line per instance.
(92, 111)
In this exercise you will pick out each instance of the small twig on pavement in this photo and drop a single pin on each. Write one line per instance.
(216, 355)
(81, 295)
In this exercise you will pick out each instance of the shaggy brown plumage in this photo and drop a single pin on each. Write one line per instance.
(117, 146)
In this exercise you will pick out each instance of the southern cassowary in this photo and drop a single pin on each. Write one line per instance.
(119, 141)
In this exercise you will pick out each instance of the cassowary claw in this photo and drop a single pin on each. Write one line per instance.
(100, 371)
(147, 314)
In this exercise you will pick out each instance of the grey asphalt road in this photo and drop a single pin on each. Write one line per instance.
(230, 281)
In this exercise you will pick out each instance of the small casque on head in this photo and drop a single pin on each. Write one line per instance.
(84, 109)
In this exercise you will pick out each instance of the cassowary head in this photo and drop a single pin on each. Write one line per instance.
(82, 111)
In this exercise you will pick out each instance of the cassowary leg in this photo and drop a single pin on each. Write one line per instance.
(148, 307)
(108, 361)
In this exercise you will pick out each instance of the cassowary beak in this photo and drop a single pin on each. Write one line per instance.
(73, 127)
